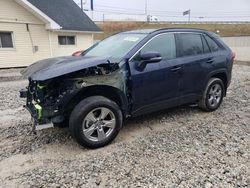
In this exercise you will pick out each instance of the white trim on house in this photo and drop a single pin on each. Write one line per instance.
(93, 38)
(50, 24)
(16, 21)
(50, 45)
(74, 31)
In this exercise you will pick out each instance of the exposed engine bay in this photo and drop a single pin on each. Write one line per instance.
(47, 100)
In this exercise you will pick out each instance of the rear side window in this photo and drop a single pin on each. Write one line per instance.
(164, 44)
(212, 45)
(189, 44)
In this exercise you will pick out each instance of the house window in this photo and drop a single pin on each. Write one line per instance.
(6, 40)
(67, 40)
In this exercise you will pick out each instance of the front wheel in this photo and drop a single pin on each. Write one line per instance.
(95, 122)
(213, 95)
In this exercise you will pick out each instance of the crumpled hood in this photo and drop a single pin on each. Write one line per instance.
(54, 67)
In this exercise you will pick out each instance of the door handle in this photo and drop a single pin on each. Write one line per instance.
(176, 68)
(210, 60)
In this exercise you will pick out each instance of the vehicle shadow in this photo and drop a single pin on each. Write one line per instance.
(138, 126)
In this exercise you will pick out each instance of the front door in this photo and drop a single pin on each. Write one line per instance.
(156, 86)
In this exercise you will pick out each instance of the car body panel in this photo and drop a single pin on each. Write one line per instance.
(157, 82)
(59, 66)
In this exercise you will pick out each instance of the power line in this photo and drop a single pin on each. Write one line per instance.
(168, 14)
(127, 13)
(177, 12)
(112, 7)
(204, 14)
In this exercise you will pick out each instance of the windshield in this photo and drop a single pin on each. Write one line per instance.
(116, 46)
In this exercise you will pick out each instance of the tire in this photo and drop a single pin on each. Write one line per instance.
(212, 95)
(95, 122)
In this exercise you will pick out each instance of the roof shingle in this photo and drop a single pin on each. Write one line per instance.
(67, 14)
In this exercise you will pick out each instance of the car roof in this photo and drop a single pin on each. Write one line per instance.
(150, 31)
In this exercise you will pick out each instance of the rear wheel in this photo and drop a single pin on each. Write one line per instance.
(213, 95)
(95, 122)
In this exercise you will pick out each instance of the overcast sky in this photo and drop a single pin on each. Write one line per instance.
(171, 10)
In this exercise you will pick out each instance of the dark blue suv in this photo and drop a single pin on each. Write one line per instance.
(127, 74)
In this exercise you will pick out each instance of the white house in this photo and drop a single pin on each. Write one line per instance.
(31, 30)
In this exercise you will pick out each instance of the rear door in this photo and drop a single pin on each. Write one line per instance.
(197, 62)
(219, 52)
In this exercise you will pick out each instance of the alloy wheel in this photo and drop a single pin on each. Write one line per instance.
(215, 95)
(99, 124)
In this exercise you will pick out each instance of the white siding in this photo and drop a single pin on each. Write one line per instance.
(13, 12)
(13, 18)
(40, 38)
(83, 41)
(22, 54)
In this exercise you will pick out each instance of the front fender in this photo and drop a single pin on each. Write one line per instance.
(107, 91)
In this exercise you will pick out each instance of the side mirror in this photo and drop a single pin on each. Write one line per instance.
(149, 57)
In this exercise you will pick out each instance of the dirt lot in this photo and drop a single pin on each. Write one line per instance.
(181, 147)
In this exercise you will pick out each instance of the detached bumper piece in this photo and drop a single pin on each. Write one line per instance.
(39, 117)
(39, 127)
(36, 112)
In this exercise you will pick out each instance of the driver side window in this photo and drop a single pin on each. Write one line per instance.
(164, 44)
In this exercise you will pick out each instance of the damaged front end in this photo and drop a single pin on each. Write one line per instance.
(47, 99)
(33, 94)
(44, 100)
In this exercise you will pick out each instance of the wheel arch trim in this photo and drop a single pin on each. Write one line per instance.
(221, 74)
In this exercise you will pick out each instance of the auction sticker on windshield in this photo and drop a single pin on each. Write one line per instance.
(131, 39)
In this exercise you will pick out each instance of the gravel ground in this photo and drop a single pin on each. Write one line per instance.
(180, 147)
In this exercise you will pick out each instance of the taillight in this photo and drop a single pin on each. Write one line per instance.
(233, 55)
